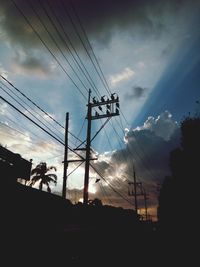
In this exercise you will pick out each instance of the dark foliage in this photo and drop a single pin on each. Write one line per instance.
(178, 200)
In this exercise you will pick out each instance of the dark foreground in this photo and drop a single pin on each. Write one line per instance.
(40, 229)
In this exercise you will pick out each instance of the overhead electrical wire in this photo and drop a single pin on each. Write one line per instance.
(42, 110)
(17, 131)
(43, 41)
(35, 111)
(82, 42)
(118, 193)
(55, 42)
(46, 46)
(30, 113)
(81, 64)
(144, 154)
(62, 144)
(90, 46)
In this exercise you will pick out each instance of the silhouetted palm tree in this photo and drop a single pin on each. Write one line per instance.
(42, 176)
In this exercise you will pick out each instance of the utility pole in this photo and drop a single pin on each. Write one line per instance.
(65, 157)
(112, 109)
(145, 202)
(87, 157)
(135, 191)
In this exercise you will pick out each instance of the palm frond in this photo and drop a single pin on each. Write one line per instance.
(52, 180)
(35, 178)
(52, 175)
(51, 168)
(31, 183)
(36, 170)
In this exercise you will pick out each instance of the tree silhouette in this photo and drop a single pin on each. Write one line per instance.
(41, 175)
(95, 202)
(178, 194)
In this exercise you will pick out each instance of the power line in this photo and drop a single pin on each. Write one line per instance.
(31, 120)
(75, 169)
(29, 112)
(40, 126)
(42, 110)
(29, 106)
(104, 193)
(118, 193)
(49, 50)
(144, 154)
(81, 66)
(82, 42)
(87, 39)
(53, 39)
(62, 144)
(16, 130)
(19, 91)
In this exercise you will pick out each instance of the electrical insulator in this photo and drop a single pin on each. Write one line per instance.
(108, 106)
(102, 98)
(112, 96)
(94, 100)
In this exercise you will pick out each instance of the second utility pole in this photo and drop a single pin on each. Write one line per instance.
(65, 157)
(87, 156)
(135, 190)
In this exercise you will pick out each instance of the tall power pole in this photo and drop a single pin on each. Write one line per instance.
(145, 203)
(112, 109)
(65, 157)
(135, 191)
(87, 157)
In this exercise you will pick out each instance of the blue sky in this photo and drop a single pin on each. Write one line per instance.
(149, 54)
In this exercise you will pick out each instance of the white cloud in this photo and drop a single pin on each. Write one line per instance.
(147, 149)
(125, 75)
(163, 126)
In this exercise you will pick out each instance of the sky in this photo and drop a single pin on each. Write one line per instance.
(148, 52)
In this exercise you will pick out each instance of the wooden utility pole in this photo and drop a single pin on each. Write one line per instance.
(65, 157)
(145, 204)
(87, 157)
(112, 109)
(135, 191)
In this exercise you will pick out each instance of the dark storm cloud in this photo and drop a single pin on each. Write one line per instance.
(147, 151)
(31, 64)
(135, 93)
(100, 18)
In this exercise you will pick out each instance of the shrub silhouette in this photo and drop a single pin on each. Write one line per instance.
(178, 194)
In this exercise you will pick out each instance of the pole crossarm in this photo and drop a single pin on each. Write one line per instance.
(78, 160)
(96, 117)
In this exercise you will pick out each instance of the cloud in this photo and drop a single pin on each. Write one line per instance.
(147, 152)
(125, 75)
(136, 93)
(163, 126)
(30, 64)
(101, 19)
